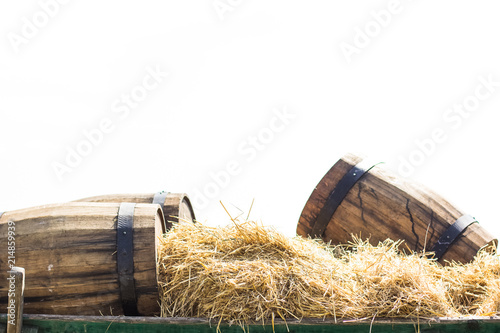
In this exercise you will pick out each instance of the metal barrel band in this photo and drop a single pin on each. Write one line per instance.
(159, 199)
(451, 234)
(338, 194)
(125, 258)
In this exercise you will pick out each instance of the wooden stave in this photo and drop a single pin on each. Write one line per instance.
(177, 206)
(58, 283)
(421, 200)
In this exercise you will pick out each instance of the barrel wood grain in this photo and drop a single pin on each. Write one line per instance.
(177, 206)
(382, 205)
(69, 254)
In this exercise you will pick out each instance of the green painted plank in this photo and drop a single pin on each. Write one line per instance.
(47, 323)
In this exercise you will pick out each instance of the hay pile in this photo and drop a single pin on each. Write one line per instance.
(246, 272)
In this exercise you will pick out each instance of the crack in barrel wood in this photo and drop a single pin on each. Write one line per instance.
(382, 205)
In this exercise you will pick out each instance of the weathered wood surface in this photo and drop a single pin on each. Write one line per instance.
(382, 205)
(15, 303)
(177, 206)
(69, 254)
(110, 324)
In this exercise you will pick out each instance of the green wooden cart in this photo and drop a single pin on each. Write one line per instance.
(16, 322)
(109, 324)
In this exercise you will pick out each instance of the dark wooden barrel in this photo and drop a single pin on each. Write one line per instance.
(176, 206)
(84, 258)
(360, 198)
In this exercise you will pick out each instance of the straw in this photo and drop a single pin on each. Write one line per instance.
(246, 273)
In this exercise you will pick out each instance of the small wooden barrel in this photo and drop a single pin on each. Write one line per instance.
(176, 206)
(360, 198)
(84, 258)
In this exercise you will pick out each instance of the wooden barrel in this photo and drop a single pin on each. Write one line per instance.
(176, 206)
(360, 198)
(84, 258)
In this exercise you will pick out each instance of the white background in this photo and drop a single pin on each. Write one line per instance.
(231, 66)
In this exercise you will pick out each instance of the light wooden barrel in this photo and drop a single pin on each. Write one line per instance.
(360, 198)
(176, 206)
(85, 258)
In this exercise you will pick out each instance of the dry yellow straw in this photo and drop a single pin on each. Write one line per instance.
(247, 272)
